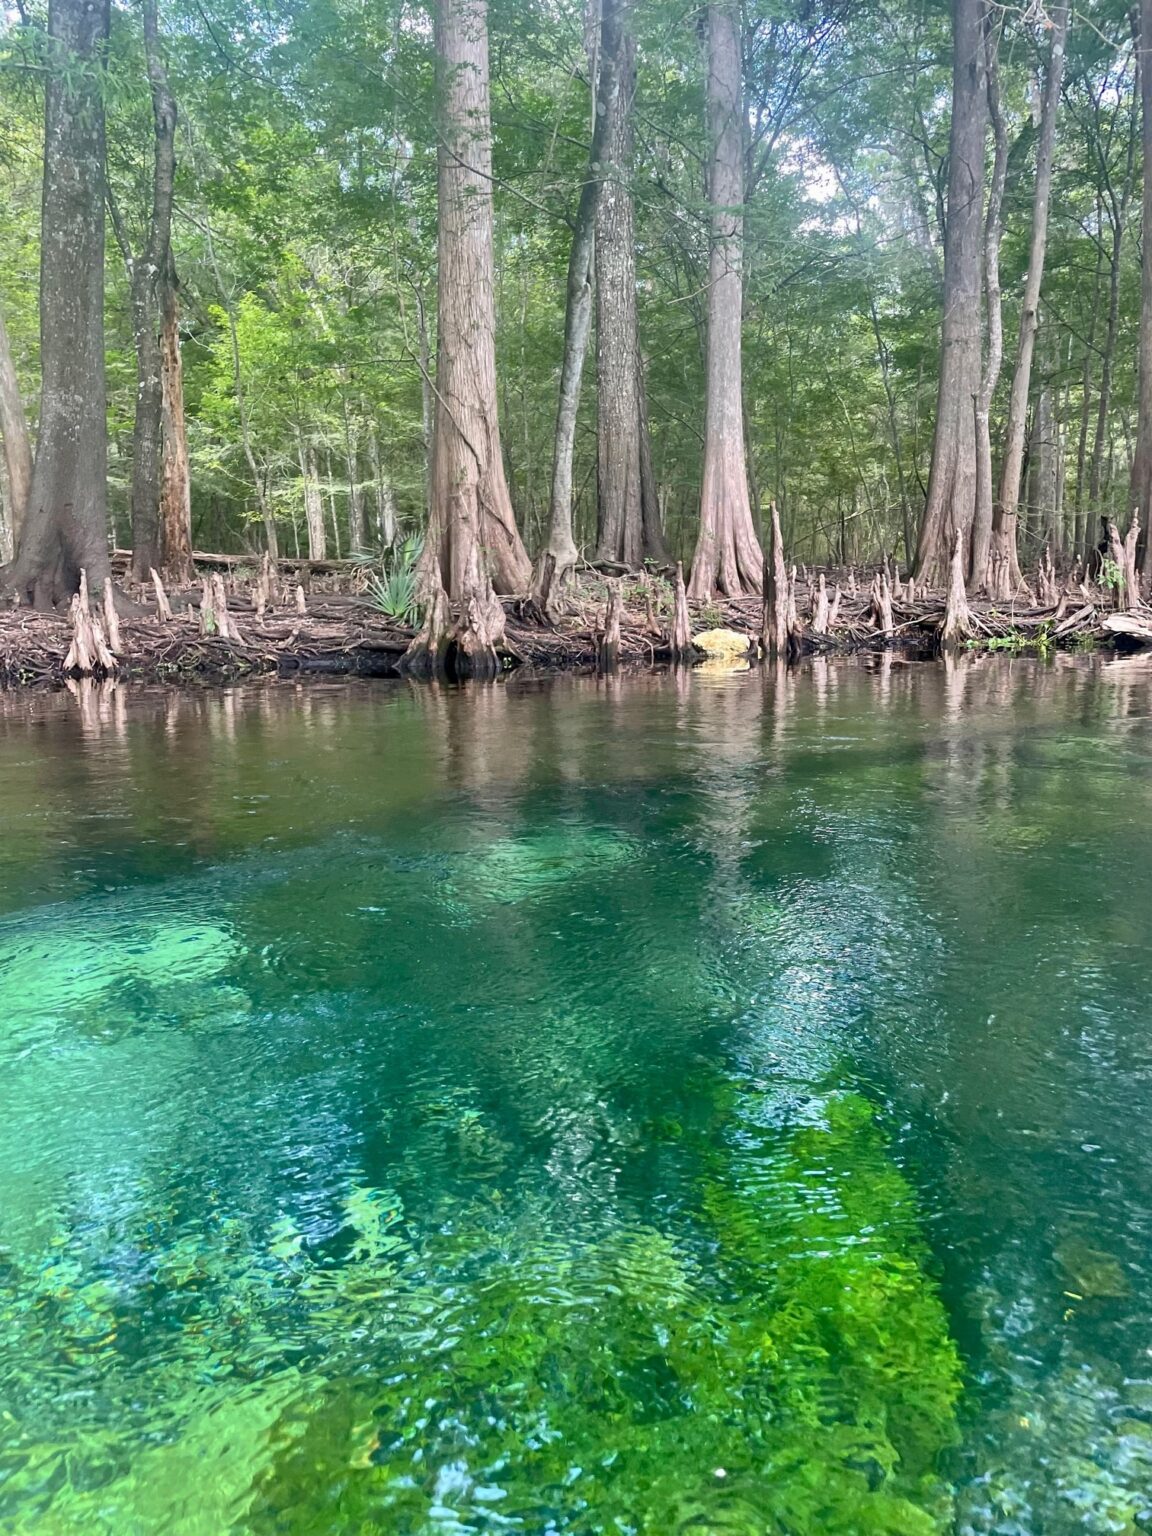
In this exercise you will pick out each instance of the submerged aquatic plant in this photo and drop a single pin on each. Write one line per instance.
(783, 1365)
(777, 1361)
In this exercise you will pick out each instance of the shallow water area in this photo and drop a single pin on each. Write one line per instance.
(674, 1102)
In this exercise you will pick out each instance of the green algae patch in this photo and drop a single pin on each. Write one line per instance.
(782, 1365)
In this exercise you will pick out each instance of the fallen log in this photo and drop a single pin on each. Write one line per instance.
(1131, 625)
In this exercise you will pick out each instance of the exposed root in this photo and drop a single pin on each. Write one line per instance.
(957, 626)
(777, 594)
(680, 640)
(426, 656)
(820, 607)
(163, 607)
(89, 652)
(608, 635)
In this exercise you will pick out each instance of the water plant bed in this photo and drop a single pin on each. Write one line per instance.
(337, 632)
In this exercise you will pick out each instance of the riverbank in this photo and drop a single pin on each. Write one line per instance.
(328, 631)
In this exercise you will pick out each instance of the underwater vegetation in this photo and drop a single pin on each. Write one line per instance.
(781, 1364)
(778, 1361)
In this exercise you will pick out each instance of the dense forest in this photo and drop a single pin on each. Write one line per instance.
(528, 284)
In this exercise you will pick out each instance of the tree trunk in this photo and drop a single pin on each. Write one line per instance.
(385, 499)
(14, 431)
(651, 513)
(951, 499)
(6, 543)
(1043, 498)
(993, 231)
(1081, 539)
(728, 553)
(1118, 216)
(472, 532)
(620, 518)
(355, 490)
(267, 514)
(471, 522)
(561, 545)
(313, 504)
(66, 522)
(1004, 568)
(330, 487)
(147, 274)
(175, 485)
(1140, 488)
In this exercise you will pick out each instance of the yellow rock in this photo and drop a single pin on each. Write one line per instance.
(723, 642)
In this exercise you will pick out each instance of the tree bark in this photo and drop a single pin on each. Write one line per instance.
(66, 522)
(651, 515)
(994, 357)
(385, 497)
(561, 545)
(175, 483)
(147, 273)
(1004, 569)
(355, 490)
(313, 504)
(14, 431)
(728, 553)
(774, 630)
(472, 531)
(1140, 488)
(951, 498)
(330, 488)
(472, 534)
(1080, 537)
(267, 514)
(620, 511)
(1118, 204)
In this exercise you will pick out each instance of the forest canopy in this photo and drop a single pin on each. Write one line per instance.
(753, 218)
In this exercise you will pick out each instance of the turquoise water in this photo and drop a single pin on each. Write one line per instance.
(701, 1104)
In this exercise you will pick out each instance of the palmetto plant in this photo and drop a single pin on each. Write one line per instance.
(394, 591)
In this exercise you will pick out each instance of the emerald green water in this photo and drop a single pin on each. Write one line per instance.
(709, 1104)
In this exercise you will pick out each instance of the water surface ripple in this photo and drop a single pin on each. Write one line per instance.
(666, 1103)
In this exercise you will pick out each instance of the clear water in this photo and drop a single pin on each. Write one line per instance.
(708, 1105)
